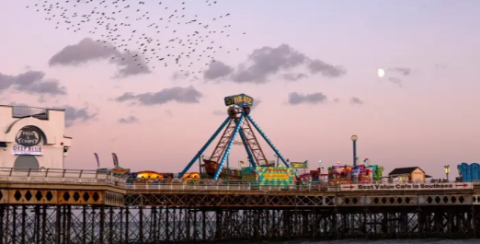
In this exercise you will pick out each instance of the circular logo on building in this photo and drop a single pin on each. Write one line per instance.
(28, 136)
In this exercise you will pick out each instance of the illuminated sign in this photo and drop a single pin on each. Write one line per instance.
(191, 176)
(275, 175)
(405, 187)
(241, 100)
(299, 165)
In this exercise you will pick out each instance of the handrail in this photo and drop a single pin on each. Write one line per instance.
(93, 177)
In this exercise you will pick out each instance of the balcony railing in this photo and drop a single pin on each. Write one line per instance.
(23, 112)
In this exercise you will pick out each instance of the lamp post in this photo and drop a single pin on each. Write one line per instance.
(447, 170)
(354, 140)
(320, 171)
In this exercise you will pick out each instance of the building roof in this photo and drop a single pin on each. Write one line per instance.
(403, 171)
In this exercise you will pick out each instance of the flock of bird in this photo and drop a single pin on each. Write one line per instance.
(150, 31)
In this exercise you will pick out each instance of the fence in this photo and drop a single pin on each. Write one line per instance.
(209, 185)
(93, 177)
(64, 176)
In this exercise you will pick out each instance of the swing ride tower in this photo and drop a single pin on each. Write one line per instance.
(238, 122)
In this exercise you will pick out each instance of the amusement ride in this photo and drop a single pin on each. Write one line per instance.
(260, 170)
(238, 122)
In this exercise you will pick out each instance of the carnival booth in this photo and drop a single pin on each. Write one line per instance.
(407, 175)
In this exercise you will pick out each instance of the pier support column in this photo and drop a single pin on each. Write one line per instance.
(44, 224)
(84, 224)
(472, 220)
(204, 225)
(334, 220)
(58, 222)
(140, 224)
(111, 224)
(127, 223)
(2, 220)
(69, 224)
(420, 223)
(101, 234)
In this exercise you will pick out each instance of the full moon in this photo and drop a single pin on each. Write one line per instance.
(381, 73)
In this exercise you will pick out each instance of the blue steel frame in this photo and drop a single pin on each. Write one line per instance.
(197, 156)
(229, 146)
(230, 143)
(251, 159)
(268, 140)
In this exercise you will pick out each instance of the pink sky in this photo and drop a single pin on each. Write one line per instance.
(431, 120)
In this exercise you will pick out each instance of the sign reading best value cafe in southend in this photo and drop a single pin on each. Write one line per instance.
(406, 187)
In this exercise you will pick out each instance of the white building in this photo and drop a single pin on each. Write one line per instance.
(32, 137)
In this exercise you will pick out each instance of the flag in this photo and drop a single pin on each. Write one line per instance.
(115, 160)
(97, 159)
(242, 162)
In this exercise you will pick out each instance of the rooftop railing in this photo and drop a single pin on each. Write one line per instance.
(24, 111)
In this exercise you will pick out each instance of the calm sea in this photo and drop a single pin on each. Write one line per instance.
(408, 241)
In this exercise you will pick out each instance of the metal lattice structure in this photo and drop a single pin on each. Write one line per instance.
(89, 224)
(65, 208)
(238, 122)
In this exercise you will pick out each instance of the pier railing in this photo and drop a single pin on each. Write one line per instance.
(93, 177)
(64, 176)
(208, 185)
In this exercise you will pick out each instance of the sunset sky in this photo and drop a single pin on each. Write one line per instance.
(311, 65)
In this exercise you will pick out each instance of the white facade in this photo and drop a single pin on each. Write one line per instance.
(32, 137)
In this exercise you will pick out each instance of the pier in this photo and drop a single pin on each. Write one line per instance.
(259, 202)
(81, 206)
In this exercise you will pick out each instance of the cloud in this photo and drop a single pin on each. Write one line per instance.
(74, 115)
(401, 70)
(265, 62)
(178, 94)
(295, 98)
(217, 70)
(294, 77)
(355, 101)
(327, 70)
(87, 50)
(129, 120)
(395, 80)
(31, 82)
